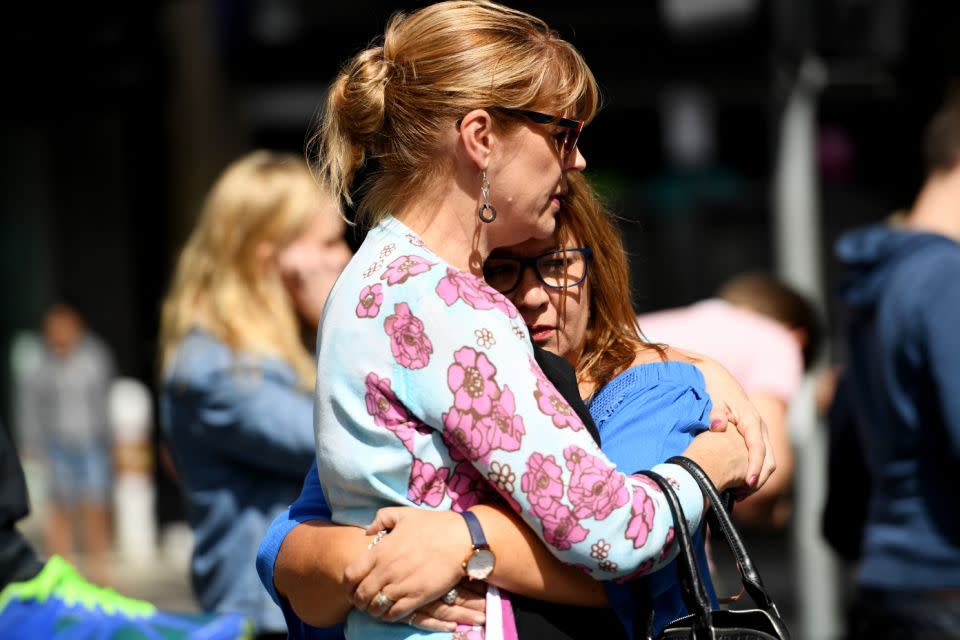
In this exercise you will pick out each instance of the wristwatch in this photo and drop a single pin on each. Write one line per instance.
(480, 561)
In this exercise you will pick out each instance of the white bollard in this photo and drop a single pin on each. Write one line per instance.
(134, 494)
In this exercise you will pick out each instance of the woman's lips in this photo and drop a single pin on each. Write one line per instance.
(540, 332)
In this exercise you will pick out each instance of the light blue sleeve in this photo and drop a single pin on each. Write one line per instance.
(496, 408)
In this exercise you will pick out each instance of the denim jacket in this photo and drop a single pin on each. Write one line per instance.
(241, 435)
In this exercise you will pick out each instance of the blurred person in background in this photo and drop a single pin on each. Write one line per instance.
(64, 422)
(897, 407)
(767, 334)
(236, 350)
(50, 600)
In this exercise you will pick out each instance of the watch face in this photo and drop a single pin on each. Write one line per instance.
(480, 564)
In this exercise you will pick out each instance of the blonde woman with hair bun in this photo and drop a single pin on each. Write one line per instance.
(236, 355)
(428, 392)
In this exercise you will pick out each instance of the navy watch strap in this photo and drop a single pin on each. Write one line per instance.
(476, 531)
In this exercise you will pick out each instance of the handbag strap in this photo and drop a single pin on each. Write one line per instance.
(748, 572)
(691, 584)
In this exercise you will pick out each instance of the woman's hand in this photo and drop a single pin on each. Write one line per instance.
(471, 598)
(731, 404)
(723, 457)
(418, 562)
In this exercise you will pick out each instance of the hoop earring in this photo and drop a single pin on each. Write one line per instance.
(486, 206)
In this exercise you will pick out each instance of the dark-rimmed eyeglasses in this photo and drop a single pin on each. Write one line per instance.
(566, 141)
(557, 269)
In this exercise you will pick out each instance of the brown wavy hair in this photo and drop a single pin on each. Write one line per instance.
(613, 336)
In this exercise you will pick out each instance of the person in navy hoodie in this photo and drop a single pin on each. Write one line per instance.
(901, 297)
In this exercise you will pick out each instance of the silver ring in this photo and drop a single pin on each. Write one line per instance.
(409, 619)
(381, 601)
(450, 596)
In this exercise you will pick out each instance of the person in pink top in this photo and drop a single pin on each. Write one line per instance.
(767, 335)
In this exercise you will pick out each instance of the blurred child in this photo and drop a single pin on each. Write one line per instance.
(64, 421)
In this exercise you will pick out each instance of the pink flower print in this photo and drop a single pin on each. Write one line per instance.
(668, 542)
(467, 487)
(371, 297)
(470, 378)
(427, 483)
(502, 477)
(409, 344)
(537, 371)
(553, 404)
(503, 427)
(404, 267)
(485, 338)
(461, 285)
(641, 520)
(466, 632)
(461, 434)
(608, 565)
(595, 488)
(600, 550)
(642, 570)
(561, 528)
(587, 570)
(387, 410)
(542, 483)
(414, 240)
(373, 268)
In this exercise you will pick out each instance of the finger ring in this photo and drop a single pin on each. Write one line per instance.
(377, 538)
(381, 601)
(450, 596)
(410, 618)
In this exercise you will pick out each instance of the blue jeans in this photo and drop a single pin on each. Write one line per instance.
(79, 474)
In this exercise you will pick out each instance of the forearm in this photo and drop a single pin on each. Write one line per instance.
(525, 566)
(308, 572)
(771, 505)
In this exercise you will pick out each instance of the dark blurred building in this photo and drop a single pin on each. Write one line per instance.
(115, 121)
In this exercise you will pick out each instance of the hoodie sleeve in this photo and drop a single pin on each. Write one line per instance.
(941, 322)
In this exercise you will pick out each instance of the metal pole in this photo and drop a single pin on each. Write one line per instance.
(799, 262)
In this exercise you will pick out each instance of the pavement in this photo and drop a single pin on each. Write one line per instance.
(160, 576)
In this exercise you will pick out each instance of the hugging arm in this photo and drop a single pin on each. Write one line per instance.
(731, 404)
(304, 558)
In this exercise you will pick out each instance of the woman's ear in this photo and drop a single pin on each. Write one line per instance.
(478, 136)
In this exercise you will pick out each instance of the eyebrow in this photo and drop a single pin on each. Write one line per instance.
(507, 253)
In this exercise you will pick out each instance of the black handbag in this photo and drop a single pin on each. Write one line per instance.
(703, 622)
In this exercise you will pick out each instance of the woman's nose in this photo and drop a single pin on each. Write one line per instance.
(529, 293)
(575, 161)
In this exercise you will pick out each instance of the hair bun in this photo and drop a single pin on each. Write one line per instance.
(375, 67)
(360, 94)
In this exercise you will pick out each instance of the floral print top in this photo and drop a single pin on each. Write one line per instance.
(428, 394)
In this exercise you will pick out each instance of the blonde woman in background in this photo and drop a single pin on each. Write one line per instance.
(237, 367)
